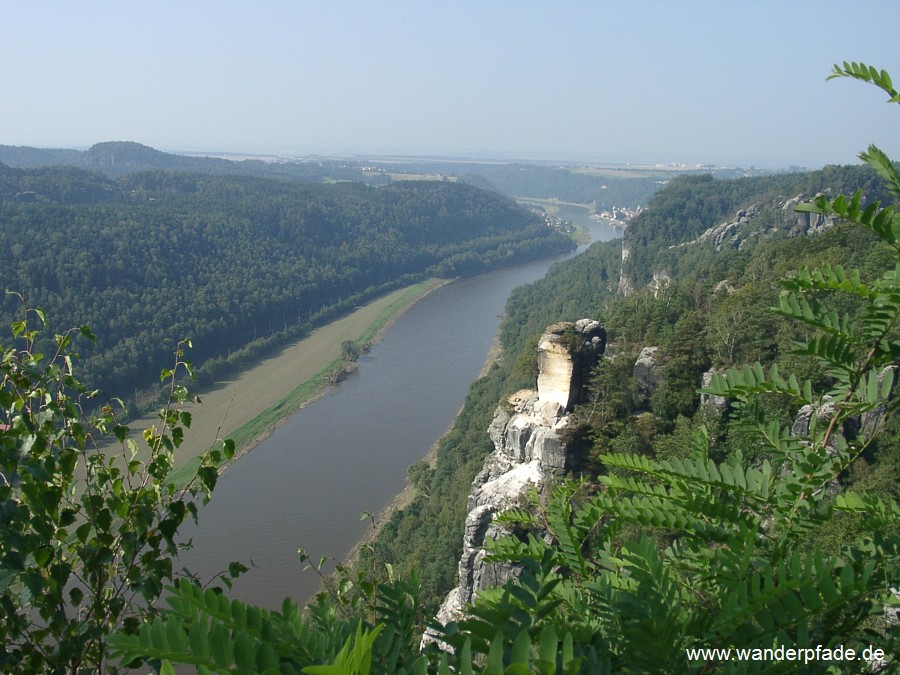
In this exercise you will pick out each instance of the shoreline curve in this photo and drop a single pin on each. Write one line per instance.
(249, 405)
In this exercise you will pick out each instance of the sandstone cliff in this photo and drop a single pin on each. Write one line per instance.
(528, 449)
(745, 229)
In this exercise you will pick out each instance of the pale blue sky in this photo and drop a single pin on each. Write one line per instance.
(723, 82)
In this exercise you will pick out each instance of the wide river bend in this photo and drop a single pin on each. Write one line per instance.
(307, 484)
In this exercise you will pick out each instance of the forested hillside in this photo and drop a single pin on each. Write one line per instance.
(116, 158)
(606, 190)
(718, 516)
(756, 530)
(148, 257)
(692, 204)
(714, 312)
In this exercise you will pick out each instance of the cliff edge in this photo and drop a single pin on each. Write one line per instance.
(528, 448)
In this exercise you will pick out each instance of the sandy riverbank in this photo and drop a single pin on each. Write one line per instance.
(250, 405)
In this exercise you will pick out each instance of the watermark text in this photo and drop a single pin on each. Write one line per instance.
(805, 655)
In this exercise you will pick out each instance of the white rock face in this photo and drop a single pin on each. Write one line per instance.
(555, 366)
(660, 280)
(892, 611)
(625, 288)
(871, 421)
(528, 448)
(745, 227)
(525, 430)
(864, 426)
(803, 420)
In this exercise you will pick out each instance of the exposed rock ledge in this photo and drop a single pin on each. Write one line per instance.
(528, 448)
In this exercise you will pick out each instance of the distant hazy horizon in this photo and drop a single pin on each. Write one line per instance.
(449, 158)
(650, 82)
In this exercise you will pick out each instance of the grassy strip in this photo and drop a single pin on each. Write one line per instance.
(253, 431)
(250, 433)
(389, 313)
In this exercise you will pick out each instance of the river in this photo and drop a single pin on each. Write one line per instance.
(348, 452)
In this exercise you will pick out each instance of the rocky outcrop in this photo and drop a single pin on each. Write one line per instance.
(727, 234)
(523, 431)
(660, 280)
(625, 288)
(566, 354)
(647, 371)
(715, 405)
(892, 610)
(747, 227)
(739, 231)
(528, 448)
(803, 423)
(800, 223)
(862, 427)
(870, 421)
(804, 418)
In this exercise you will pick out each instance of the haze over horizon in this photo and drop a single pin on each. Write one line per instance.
(694, 82)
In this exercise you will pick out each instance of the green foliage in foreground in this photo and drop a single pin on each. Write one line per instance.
(87, 538)
(726, 558)
(673, 551)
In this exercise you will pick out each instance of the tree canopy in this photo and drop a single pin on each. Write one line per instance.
(230, 260)
(759, 535)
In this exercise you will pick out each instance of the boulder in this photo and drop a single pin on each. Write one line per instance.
(647, 370)
(716, 405)
(803, 420)
(870, 421)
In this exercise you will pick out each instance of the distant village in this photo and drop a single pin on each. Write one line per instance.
(619, 214)
(617, 217)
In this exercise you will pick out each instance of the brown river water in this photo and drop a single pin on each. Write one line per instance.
(307, 484)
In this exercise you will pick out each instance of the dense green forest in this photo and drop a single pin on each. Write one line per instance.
(512, 179)
(693, 324)
(758, 531)
(231, 260)
(116, 158)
